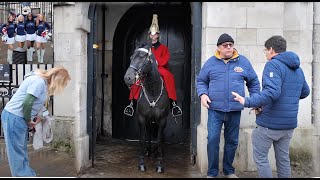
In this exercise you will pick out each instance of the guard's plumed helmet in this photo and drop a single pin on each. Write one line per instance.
(154, 28)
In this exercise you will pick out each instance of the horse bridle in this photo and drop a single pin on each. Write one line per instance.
(138, 76)
(138, 71)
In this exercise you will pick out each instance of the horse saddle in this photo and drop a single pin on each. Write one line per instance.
(129, 110)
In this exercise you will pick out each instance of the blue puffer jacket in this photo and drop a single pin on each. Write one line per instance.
(218, 79)
(283, 85)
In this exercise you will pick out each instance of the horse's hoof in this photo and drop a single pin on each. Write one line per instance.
(159, 169)
(142, 168)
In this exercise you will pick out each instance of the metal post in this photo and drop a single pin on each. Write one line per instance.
(196, 21)
(103, 75)
(91, 80)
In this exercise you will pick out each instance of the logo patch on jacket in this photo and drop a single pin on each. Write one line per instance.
(238, 69)
(271, 74)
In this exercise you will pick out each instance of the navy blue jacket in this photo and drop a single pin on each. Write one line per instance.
(283, 85)
(42, 27)
(21, 29)
(218, 79)
(10, 29)
(30, 26)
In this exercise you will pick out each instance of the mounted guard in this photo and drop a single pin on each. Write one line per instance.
(162, 56)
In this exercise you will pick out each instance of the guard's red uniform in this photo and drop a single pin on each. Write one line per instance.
(161, 53)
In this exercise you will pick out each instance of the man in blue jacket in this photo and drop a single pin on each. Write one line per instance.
(224, 72)
(283, 85)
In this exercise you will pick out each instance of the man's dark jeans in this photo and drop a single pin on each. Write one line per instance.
(231, 122)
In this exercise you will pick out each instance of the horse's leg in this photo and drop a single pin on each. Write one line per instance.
(159, 146)
(142, 127)
(153, 132)
(149, 139)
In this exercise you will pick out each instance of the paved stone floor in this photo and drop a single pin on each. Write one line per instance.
(118, 159)
(48, 56)
(45, 162)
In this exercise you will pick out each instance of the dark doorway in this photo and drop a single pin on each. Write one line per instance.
(175, 30)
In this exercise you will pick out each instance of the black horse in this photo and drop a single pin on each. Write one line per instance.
(153, 105)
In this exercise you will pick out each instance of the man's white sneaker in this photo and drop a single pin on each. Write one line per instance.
(231, 176)
(211, 177)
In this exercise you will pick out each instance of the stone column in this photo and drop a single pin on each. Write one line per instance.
(316, 89)
(71, 25)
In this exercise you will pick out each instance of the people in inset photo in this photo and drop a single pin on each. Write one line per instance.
(43, 29)
(8, 31)
(20, 31)
(31, 35)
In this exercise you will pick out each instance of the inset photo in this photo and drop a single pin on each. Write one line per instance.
(26, 30)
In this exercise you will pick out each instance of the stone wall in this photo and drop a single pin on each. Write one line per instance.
(251, 24)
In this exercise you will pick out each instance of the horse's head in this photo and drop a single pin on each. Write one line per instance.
(140, 65)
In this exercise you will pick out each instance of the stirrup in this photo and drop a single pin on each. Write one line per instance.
(176, 110)
(129, 110)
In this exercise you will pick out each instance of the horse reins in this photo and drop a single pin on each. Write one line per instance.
(153, 103)
(138, 71)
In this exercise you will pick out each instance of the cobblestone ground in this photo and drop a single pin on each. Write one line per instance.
(118, 159)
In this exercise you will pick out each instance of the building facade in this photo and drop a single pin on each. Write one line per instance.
(94, 40)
